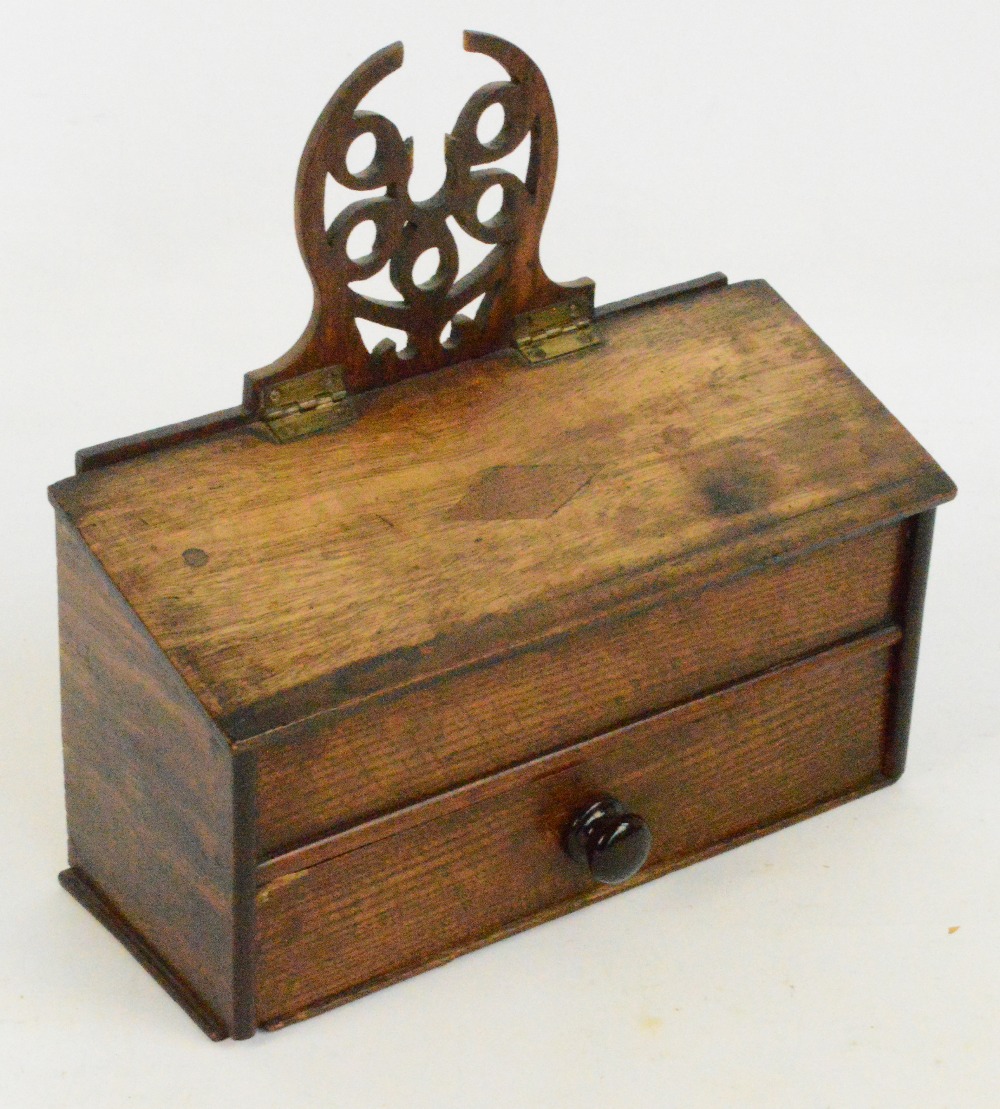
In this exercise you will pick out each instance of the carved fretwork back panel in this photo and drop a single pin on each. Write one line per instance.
(509, 279)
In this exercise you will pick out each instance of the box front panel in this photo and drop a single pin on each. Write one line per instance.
(333, 770)
(704, 775)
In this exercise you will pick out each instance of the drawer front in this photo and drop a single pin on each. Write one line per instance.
(334, 770)
(415, 889)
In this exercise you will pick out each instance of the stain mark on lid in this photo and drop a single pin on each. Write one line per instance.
(521, 492)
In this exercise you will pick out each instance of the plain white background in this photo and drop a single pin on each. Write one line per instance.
(849, 153)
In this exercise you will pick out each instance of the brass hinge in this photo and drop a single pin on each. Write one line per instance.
(551, 332)
(311, 402)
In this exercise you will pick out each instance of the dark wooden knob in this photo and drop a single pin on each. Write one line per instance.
(609, 841)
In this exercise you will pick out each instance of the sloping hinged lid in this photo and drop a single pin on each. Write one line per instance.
(472, 510)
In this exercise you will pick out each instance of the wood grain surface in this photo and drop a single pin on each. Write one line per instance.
(723, 767)
(149, 791)
(718, 432)
(335, 768)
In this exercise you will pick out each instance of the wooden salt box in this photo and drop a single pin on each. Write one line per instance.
(421, 647)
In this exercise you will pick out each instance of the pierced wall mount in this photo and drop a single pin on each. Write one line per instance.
(310, 388)
(509, 279)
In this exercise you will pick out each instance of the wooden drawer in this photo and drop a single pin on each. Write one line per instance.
(336, 768)
(355, 911)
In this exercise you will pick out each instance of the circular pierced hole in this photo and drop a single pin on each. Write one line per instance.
(361, 241)
(490, 124)
(490, 203)
(426, 266)
(361, 153)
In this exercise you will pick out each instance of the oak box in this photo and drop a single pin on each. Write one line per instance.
(418, 648)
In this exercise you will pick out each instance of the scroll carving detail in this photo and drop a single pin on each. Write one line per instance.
(509, 278)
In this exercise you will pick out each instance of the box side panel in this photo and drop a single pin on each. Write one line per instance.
(910, 612)
(332, 770)
(149, 788)
(705, 775)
